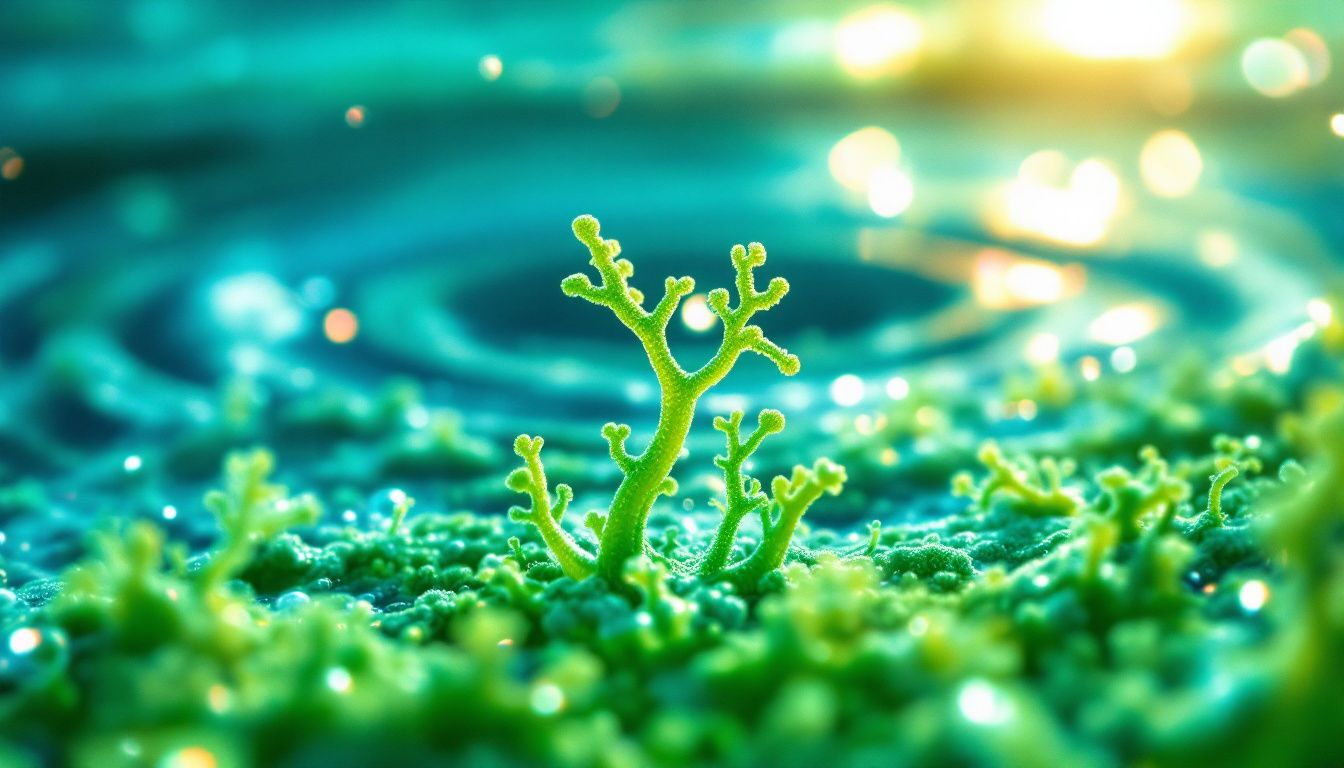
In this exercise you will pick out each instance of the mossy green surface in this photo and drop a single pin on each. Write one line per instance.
(1104, 601)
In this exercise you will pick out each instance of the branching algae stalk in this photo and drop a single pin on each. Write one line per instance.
(648, 474)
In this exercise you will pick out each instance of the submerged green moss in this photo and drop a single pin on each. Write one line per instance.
(1174, 604)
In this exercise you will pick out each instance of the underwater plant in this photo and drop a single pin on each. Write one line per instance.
(648, 475)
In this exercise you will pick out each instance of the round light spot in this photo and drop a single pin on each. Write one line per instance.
(857, 157)
(132, 463)
(1124, 324)
(696, 314)
(340, 325)
(1115, 29)
(490, 68)
(1123, 359)
(882, 39)
(339, 679)
(890, 192)
(1090, 368)
(11, 164)
(1320, 312)
(1043, 348)
(918, 626)
(547, 699)
(983, 704)
(1217, 248)
(170, 512)
(190, 757)
(1314, 51)
(1274, 67)
(24, 641)
(1253, 595)
(354, 116)
(847, 390)
(1170, 164)
(1337, 124)
(898, 388)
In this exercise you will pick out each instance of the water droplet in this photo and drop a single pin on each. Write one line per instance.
(292, 600)
(547, 699)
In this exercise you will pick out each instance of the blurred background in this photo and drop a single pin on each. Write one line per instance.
(343, 233)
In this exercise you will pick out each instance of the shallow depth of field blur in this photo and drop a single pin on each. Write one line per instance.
(226, 223)
(195, 192)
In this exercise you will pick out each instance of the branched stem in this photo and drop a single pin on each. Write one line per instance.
(648, 474)
(530, 479)
(742, 495)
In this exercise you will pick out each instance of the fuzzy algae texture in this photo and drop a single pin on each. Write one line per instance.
(1162, 594)
(647, 476)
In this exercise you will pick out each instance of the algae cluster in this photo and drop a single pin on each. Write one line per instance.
(1165, 590)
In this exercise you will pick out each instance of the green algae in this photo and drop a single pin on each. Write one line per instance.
(1173, 601)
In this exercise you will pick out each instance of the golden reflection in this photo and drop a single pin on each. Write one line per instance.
(340, 326)
(857, 157)
(1217, 248)
(1314, 52)
(696, 314)
(1001, 280)
(1077, 210)
(1042, 348)
(1115, 29)
(1125, 324)
(890, 192)
(1170, 163)
(880, 40)
(490, 67)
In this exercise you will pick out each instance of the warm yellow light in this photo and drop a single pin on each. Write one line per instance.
(491, 68)
(1034, 282)
(1090, 368)
(890, 192)
(1314, 51)
(190, 757)
(883, 39)
(1337, 124)
(1320, 312)
(1043, 348)
(857, 157)
(1003, 281)
(696, 314)
(1170, 163)
(340, 326)
(11, 164)
(1077, 212)
(898, 388)
(1275, 67)
(1124, 324)
(1217, 248)
(1253, 595)
(1115, 29)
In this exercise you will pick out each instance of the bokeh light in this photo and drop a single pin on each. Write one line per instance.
(1115, 29)
(856, 158)
(1274, 67)
(882, 39)
(1170, 163)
